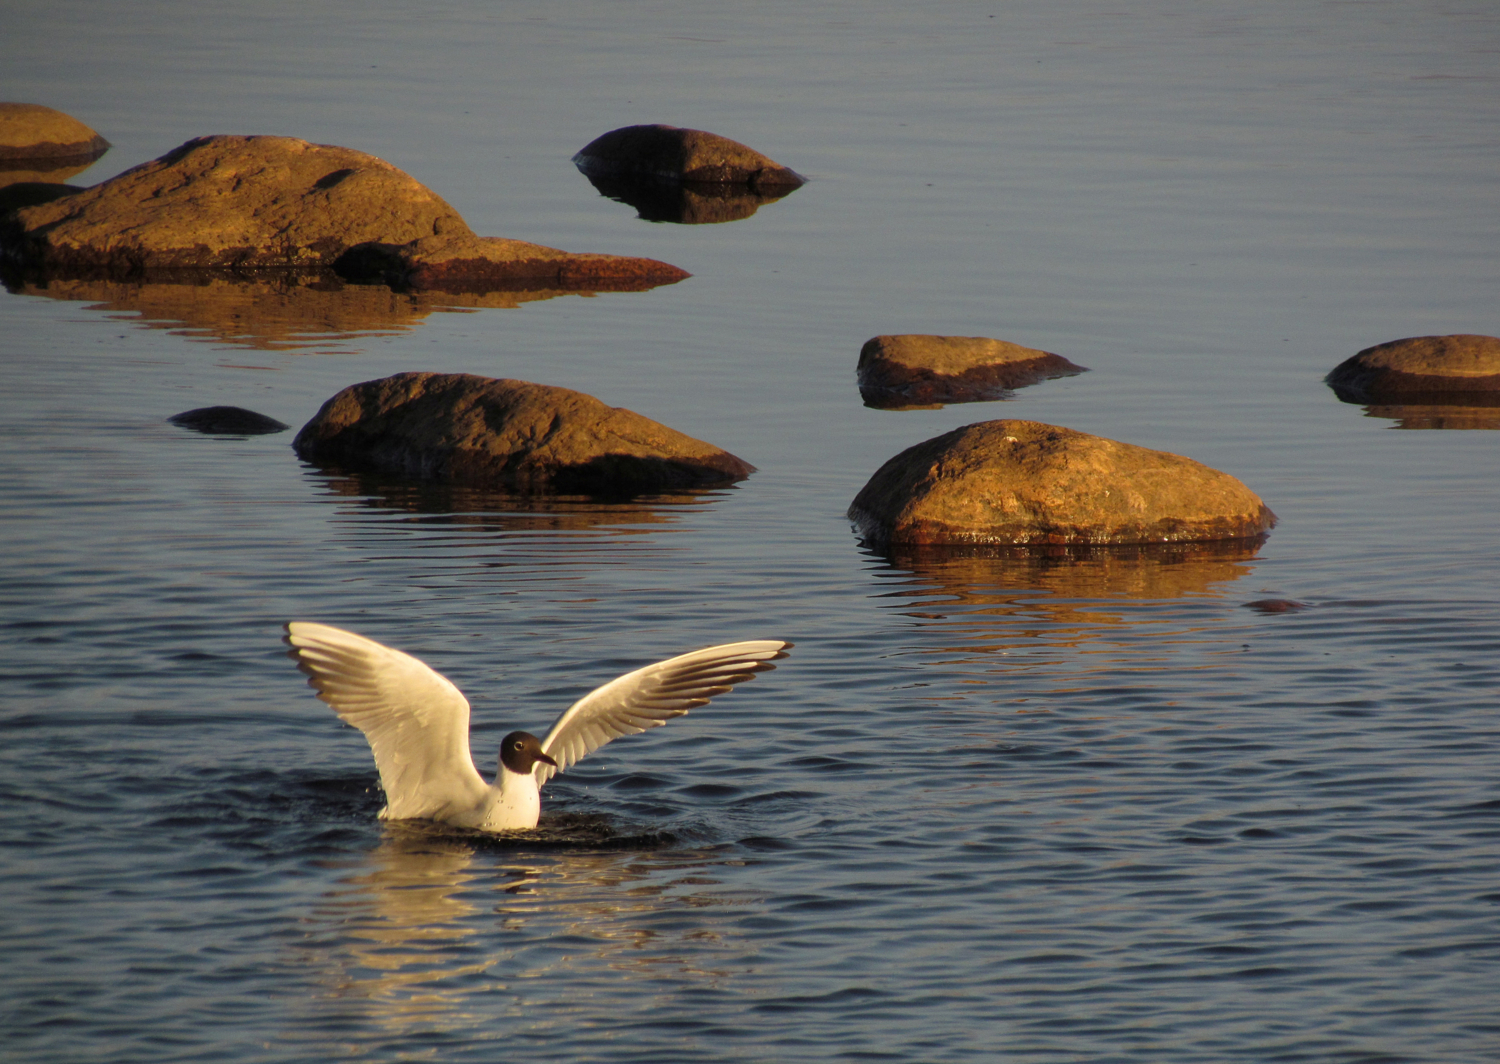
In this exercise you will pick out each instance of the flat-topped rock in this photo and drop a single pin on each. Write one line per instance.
(30, 131)
(507, 435)
(1026, 483)
(683, 155)
(463, 262)
(1419, 367)
(248, 203)
(920, 370)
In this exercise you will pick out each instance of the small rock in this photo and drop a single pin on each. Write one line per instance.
(1023, 482)
(30, 131)
(1418, 369)
(227, 421)
(683, 155)
(282, 204)
(917, 370)
(508, 435)
(1276, 606)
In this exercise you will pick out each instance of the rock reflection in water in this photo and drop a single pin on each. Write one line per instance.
(273, 314)
(998, 598)
(373, 494)
(434, 927)
(1470, 415)
(38, 170)
(45, 171)
(685, 202)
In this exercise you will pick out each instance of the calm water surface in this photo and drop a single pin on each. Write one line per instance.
(1016, 809)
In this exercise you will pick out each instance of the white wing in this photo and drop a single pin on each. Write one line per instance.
(649, 697)
(416, 721)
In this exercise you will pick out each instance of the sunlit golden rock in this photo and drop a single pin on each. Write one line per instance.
(906, 371)
(1429, 370)
(259, 203)
(29, 131)
(1023, 482)
(510, 435)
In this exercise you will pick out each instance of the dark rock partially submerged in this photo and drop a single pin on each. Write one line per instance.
(259, 203)
(227, 421)
(691, 155)
(508, 435)
(1462, 369)
(913, 370)
(1275, 605)
(1026, 483)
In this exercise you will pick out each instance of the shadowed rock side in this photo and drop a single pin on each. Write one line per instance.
(508, 435)
(1026, 483)
(31, 132)
(690, 155)
(227, 421)
(31, 187)
(1462, 369)
(908, 371)
(258, 203)
(659, 199)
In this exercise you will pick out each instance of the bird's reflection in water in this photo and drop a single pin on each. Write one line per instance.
(436, 929)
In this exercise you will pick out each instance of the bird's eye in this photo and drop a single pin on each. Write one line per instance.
(517, 745)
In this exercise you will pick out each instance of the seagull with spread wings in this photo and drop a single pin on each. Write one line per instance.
(417, 722)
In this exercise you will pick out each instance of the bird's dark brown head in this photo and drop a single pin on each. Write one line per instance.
(519, 751)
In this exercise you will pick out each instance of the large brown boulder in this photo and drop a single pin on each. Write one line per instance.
(279, 203)
(509, 435)
(32, 132)
(683, 155)
(1418, 368)
(1025, 483)
(917, 370)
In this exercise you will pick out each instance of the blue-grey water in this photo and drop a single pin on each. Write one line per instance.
(989, 809)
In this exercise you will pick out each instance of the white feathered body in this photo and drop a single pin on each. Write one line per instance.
(417, 722)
